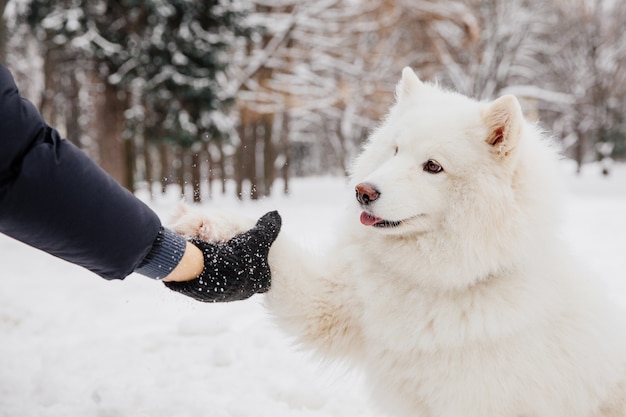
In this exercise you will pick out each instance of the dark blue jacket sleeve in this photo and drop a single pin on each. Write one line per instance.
(53, 197)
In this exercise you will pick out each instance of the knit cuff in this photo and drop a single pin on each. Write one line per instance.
(167, 251)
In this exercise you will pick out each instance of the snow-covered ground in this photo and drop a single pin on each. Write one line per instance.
(73, 345)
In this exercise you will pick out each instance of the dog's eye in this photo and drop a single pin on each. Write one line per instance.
(395, 150)
(432, 167)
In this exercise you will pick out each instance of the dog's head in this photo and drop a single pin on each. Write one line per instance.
(435, 150)
(471, 183)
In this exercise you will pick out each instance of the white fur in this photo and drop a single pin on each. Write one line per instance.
(471, 307)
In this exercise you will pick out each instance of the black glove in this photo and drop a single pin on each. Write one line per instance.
(234, 270)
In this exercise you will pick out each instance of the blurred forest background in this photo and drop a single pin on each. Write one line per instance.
(198, 93)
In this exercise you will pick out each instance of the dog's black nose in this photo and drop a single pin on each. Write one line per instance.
(366, 193)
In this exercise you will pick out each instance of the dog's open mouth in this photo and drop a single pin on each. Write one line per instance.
(369, 220)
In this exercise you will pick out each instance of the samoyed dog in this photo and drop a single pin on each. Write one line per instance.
(448, 285)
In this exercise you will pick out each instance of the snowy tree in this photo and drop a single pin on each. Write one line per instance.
(71, 71)
(168, 53)
(563, 59)
(324, 72)
(586, 62)
(508, 36)
(308, 80)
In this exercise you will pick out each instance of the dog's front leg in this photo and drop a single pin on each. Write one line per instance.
(311, 303)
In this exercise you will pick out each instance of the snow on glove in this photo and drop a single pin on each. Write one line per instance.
(234, 270)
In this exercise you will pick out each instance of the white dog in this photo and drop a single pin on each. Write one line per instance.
(448, 284)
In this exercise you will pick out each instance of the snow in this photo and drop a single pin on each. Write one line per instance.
(72, 344)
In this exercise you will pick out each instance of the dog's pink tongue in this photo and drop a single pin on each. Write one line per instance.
(368, 220)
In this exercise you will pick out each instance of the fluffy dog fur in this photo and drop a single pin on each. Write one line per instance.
(450, 289)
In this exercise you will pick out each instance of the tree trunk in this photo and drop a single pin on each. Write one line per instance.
(73, 112)
(210, 169)
(286, 149)
(109, 125)
(250, 165)
(221, 164)
(196, 178)
(46, 105)
(147, 161)
(269, 171)
(179, 164)
(239, 162)
(164, 165)
(131, 158)
(580, 150)
(215, 165)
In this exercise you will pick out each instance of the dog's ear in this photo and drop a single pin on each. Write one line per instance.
(408, 85)
(503, 119)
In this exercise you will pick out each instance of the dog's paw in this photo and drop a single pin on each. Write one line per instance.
(210, 227)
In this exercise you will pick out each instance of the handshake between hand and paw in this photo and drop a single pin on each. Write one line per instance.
(235, 269)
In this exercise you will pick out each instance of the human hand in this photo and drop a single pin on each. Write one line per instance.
(236, 269)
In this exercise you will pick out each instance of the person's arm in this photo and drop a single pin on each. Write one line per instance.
(54, 198)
